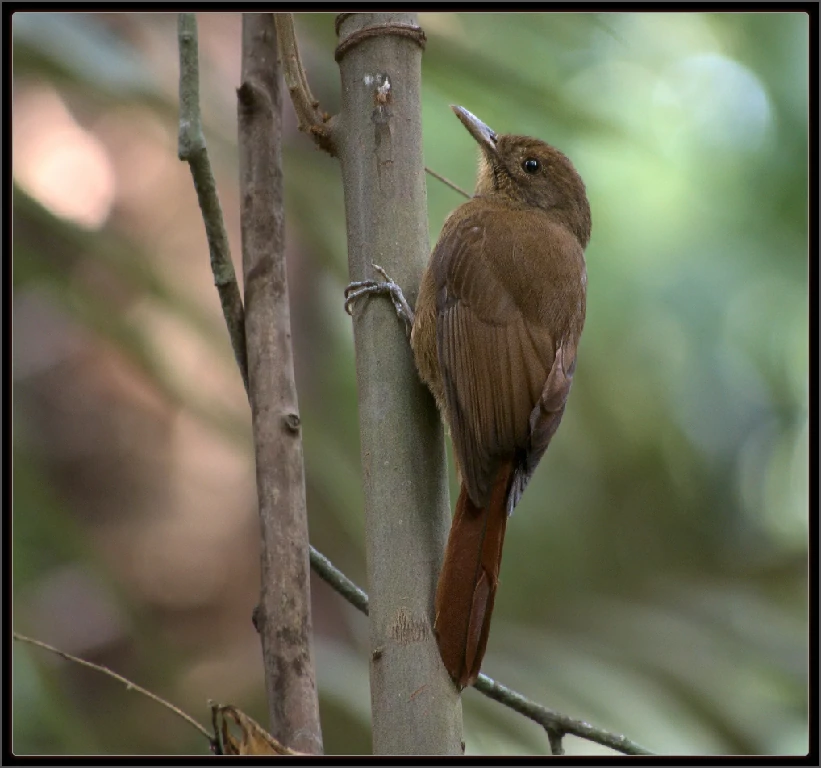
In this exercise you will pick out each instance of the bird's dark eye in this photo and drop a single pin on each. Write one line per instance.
(531, 165)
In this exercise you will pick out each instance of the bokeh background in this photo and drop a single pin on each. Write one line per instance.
(655, 575)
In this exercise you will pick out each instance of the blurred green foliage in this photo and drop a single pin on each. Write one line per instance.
(655, 576)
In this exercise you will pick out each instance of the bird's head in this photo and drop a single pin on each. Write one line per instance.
(531, 172)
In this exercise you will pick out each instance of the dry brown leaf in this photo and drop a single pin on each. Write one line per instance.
(253, 740)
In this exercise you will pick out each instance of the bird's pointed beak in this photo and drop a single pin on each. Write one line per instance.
(481, 132)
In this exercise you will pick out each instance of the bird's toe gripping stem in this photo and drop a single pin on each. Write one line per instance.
(387, 287)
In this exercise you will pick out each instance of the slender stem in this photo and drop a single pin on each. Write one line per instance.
(407, 513)
(338, 581)
(284, 615)
(311, 119)
(448, 182)
(124, 680)
(191, 149)
(555, 721)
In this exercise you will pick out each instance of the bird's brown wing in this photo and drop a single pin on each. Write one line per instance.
(505, 386)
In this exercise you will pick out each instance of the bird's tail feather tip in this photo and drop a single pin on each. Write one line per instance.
(467, 584)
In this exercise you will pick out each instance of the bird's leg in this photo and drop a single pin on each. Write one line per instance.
(361, 288)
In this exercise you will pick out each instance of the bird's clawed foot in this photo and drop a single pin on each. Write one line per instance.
(387, 287)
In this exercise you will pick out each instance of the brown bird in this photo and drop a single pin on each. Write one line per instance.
(497, 324)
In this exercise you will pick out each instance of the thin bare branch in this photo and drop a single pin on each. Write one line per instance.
(404, 470)
(448, 182)
(119, 678)
(338, 581)
(284, 614)
(311, 119)
(191, 149)
(555, 721)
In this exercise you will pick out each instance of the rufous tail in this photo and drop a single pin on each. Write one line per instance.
(467, 582)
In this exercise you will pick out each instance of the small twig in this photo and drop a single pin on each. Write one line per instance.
(555, 723)
(311, 119)
(192, 149)
(448, 183)
(555, 738)
(338, 581)
(125, 681)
